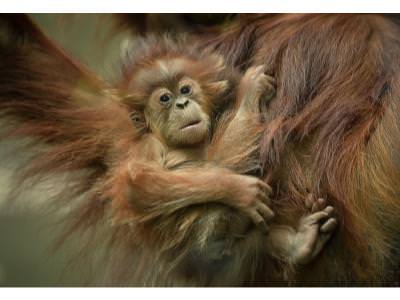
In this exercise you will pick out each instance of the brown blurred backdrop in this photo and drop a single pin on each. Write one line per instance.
(26, 231)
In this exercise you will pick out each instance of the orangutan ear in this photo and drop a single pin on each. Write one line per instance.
(218, 87)
(134, 101)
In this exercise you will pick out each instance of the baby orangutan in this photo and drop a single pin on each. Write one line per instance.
(175, 94)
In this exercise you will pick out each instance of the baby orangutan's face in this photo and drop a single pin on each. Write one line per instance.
(176, 109)
(177, 114)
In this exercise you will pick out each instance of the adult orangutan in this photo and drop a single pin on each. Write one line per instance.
(331, 131)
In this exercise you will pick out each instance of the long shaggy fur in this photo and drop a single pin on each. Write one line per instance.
(332, 130)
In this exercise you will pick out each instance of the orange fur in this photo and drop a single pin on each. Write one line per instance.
(332, 130)
(335, 110)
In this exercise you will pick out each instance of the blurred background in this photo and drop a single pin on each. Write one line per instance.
(27, 231)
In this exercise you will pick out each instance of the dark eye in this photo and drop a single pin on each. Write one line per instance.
(165, 98)
(186, 89)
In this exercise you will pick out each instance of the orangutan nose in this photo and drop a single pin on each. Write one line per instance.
(182, 103)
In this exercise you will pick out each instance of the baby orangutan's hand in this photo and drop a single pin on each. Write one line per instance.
(250, 195)
(314, 230)
(255, 86)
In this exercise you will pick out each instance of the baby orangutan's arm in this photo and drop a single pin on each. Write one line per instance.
(153, 191)
(236, 141)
